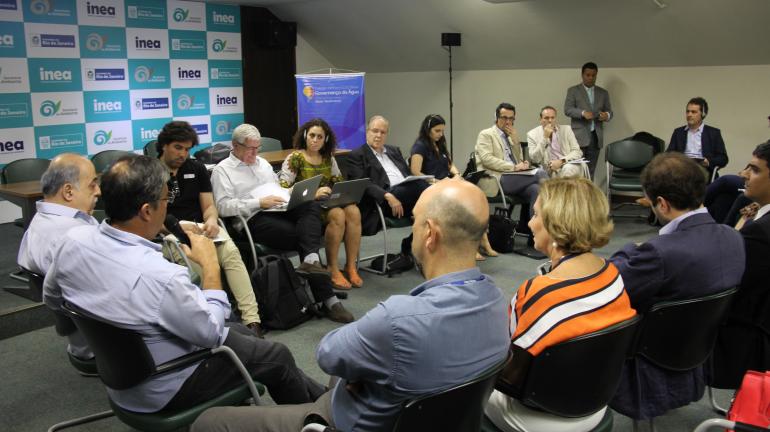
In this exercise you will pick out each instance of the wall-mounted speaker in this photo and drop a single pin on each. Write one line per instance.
(450, 39)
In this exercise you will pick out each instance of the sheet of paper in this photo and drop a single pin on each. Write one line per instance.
(529, 172)
(218, 239)
(268, 189)
(419, 177)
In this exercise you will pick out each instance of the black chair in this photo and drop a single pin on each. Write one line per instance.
(104, 159)
(625, 160)
(458, 409)
(124, 361)
(578, 377)
(680, 335)
(151, 149)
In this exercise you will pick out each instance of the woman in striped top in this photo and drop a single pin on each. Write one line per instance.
(576, 292)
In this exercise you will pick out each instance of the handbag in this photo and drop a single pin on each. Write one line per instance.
(501, 229)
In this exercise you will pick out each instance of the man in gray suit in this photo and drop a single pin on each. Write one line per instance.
(588, 105)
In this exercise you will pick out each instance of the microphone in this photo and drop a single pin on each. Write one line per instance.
(172, 225)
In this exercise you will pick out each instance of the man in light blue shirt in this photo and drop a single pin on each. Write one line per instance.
(115, 273)
(447, 331)
(70, 190)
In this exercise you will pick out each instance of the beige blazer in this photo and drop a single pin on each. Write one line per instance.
(490, 156)
(540, 147)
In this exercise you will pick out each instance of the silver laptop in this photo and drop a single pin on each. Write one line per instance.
(345, 193)
(301, 193)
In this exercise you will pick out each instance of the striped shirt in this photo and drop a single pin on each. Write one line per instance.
(549, 311)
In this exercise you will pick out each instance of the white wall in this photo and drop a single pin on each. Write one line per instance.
(651, 99)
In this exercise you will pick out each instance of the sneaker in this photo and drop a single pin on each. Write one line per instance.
(338, 313)
(256, 328)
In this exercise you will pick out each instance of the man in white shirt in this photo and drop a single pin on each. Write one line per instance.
(70, 190)
(234, 181)
(555, 148)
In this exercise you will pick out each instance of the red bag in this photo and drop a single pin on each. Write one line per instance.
(752, 401)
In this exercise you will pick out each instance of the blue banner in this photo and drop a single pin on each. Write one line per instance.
(338, 99)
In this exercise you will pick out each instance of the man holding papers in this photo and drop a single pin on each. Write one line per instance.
(193, 201)
(245, 184)
(499, 153)
(555, 148)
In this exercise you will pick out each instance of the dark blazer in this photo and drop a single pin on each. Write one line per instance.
(362, 164)
(744, 341)
(700, 258)
(576, 102)
(712, 145)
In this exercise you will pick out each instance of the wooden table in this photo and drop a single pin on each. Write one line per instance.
(24, 195)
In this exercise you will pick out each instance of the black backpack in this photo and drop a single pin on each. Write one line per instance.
(397, 263)
(501, 229)
(284, 298)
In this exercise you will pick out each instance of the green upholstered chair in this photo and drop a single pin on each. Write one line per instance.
(270, 144)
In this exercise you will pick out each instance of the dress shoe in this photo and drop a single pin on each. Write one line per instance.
(256, 328)
(338, 313)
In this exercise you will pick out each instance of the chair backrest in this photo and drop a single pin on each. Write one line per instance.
(22, 170)
(151, 149)
(122, 357)
(628, 154)
(680, 335)
(459, 408)
(579, 377)
(104, 159)
(270, 144)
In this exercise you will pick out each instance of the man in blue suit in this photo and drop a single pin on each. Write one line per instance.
(698, 141)
(692, 257)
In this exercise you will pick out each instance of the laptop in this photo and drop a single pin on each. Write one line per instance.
(301, 193)
(345, 193)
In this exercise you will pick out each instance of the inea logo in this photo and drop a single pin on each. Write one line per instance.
(99, 10)
(55, 75)
(6, 40)
(149, 134)
(107, 106)
(188, 74)
(146, 44)
(49, 108)
(11, 146)
(142, 74)
(227, 100)
(223, 18)
(180, 15)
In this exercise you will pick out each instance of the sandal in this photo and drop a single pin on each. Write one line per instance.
(339, 282)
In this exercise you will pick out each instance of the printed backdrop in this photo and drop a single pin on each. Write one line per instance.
(91, 75)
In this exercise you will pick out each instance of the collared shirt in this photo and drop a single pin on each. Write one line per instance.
(394, 174)
(674, 224)
(192, 179)
(765, 209)
(233, 181)
(446, 331)
(506, 146)
(45, 231)
(694, 148)
(123, 279)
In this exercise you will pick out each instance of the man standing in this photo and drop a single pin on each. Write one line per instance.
(498, 152)
(70, 190)
(242, 185)
(193, 201)
(386, 169)
(554, 147)
(588, 105)
(114, 273)
(400, 349)
(698, 141)
(661, 269)
(743, 343)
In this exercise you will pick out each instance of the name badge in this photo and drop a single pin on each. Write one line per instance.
(189, 176)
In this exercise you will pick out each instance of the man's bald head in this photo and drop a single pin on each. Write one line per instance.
(71, 180)
(459, 208)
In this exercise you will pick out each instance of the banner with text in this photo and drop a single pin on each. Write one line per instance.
(338, 99)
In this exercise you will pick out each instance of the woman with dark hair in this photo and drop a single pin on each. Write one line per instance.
(315, 143)
(431, 157)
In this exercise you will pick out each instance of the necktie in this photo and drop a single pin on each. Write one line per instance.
(555, 146)
(508, 148)
(591, 100)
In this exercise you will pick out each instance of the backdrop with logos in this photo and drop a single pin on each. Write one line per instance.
(91, 75)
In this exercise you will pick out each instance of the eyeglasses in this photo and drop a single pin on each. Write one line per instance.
(173, 190)
(247, 148)
(504, 118)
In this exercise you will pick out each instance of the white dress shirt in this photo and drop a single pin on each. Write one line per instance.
(765, 209)
(694, 148)
(233, 181)
(394, 174)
